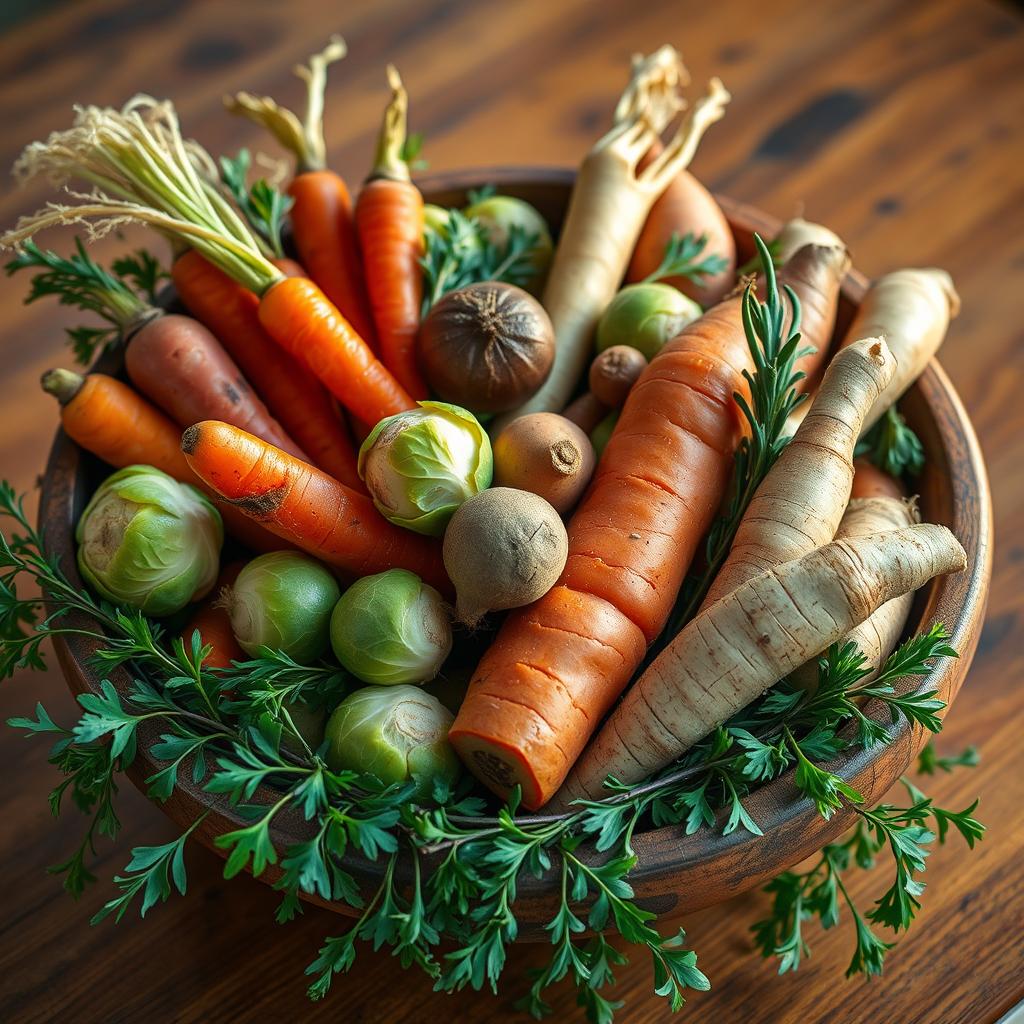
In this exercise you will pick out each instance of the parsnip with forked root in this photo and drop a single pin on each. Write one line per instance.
(879, 633)
(912, 310)
(734, 650)
(800, 502)
(609, 203)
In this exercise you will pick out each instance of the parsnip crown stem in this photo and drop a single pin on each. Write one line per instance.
(305, 138)
(389, 162)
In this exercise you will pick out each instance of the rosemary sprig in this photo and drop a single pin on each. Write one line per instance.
(79, 281)
(892, 446)
(262, 205)
(682, 258)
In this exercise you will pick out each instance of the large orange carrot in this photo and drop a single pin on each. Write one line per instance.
(107, 418)
(292, 393)
(323, 228)
(389, 219)
(556, 668)
(306, 507)
(214, 624)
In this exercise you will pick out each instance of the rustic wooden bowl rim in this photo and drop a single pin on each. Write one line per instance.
(674, 873)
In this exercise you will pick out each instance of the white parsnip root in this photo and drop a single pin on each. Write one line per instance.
(801, 501)
(797, 233)
(878, 634)
(911, 309)
(733, 651)
(609, 204)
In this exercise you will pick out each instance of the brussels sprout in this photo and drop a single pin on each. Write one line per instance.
(499, 214)
(395, 733)
(602, 433)
(421, 465)
(391, 628)
(149, 542)
(283, 600)
(645, 316)
(309, 723)
(435, 219)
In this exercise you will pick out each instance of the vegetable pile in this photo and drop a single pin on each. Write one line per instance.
(419, 517)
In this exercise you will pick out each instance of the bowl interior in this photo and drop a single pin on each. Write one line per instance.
(675, 873)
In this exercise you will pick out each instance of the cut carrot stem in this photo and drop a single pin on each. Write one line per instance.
(292, 392)
(119, 426)
(389, 219)
(323, 226)
(306, 507)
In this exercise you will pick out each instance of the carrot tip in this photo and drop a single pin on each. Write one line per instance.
(190, 439)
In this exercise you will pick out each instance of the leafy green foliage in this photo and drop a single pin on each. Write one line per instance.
(892, 446)
(262, 205)
(683, 258)
(464, 254)
(80, 281)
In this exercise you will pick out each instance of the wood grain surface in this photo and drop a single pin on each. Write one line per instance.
(900, 124)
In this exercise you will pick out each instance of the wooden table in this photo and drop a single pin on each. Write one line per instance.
(899, 124)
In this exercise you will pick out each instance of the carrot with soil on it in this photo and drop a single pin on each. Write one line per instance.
(741, 645)
(609, 203)
(556, 668)
(118, 151)
(912, 309)
(306, 507)
(323, 225)
(389, 220)
(109, 419)
(292, 393)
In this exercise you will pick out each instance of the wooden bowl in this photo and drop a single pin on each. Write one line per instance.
(675, 873)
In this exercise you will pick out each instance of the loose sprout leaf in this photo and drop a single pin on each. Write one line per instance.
(892, 446)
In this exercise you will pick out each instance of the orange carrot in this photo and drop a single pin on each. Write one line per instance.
(298, 316)
(389, 219)
(214, 625)
(323, 228)
(307, 507)
(871, 482)
(292, 393)
(556, 667)
(820, 270)
(107, 418)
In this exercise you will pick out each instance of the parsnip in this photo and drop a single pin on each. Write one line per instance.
(797, 233)
(733, 651)
(878, 634)
(802, 499)
(609, 204)
(911, 309)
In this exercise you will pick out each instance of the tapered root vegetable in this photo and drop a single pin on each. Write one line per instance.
(547, 454)
(504, 548)
(879, 633)
(657, 488)
(819, 269)
(614, 372)
(609, 203)
(734, 650)
(912, 309)
(214, 624)
(797, 233)
(306, 507)
(586, 412)
(800, 502)
(177, 363)
(115, 423)
(871, 482)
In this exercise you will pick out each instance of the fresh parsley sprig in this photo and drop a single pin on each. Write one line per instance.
(683, 258)
(262, 205)
(892, 446)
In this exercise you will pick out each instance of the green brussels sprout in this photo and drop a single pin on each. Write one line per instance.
(283, 600)
(499, 214)
(601, 434)
(395, 733)
(645, 316)
(309, 723)
(391, 629)
(420, 466)
(149, 542)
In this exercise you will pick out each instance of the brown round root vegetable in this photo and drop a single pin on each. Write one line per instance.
(503, 548)
(614, 372)
(487, 347)
(547, 454)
